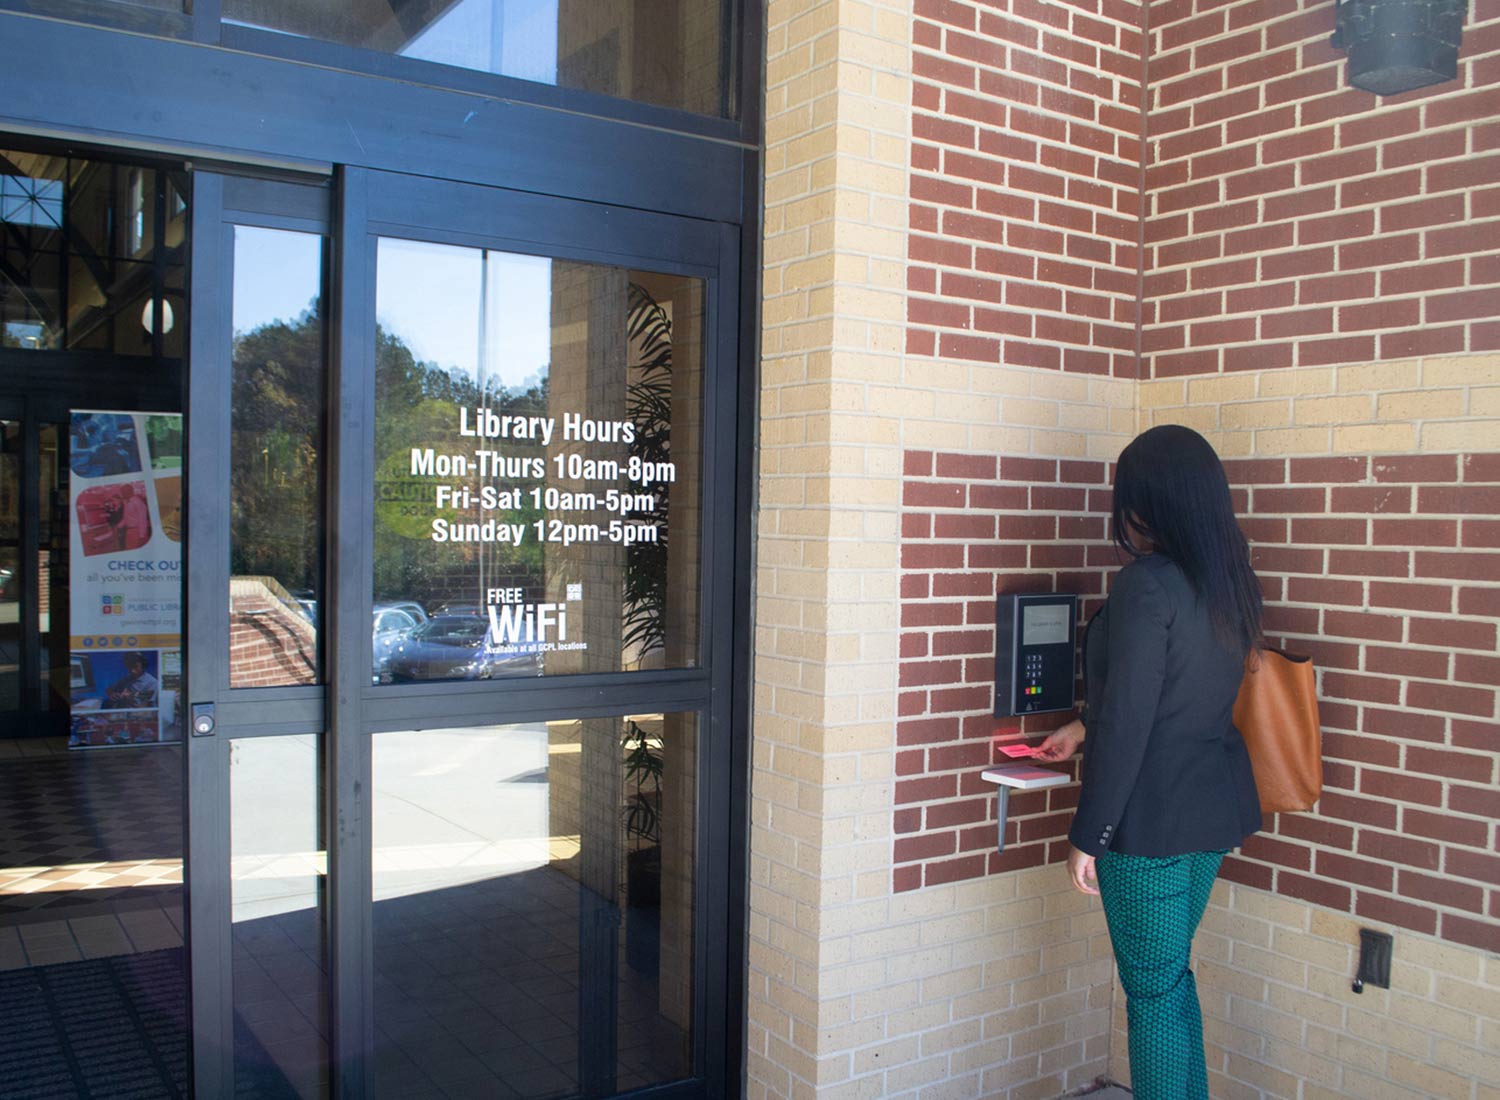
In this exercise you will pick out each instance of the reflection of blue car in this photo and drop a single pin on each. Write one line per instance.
(390, 626)
(459, 647)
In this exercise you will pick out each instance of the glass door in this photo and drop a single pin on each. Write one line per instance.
(460, 631)
(257, 447)
(535, 464)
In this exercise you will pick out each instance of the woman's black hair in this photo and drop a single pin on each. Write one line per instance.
(1171, 488)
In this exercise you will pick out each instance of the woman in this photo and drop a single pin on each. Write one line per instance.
(1167, 787)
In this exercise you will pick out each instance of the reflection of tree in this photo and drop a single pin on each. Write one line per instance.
(278, 434)
(277, 427)
(417, 405)
(648, 404)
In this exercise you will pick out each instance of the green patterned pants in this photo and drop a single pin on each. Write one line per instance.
(1153, 907)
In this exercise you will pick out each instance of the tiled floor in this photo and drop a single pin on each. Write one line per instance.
(520, 984)
(122, 928)
(91, 928)
(87, 827)
(90, 846)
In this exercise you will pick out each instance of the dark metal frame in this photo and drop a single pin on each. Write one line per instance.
(59, 82)
(253, 123)
(740, 42)
(15, 408)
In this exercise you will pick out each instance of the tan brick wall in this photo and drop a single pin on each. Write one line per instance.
(990, 988)
(997, 986)
(1281, 1019)
(1333, 255)
(1274, 972)
(1408, 406)
(836, 132)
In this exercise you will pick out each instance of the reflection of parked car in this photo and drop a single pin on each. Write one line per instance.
(460, 647)
(412, 608)
(390, 626)
(460, 609)
(306, 603)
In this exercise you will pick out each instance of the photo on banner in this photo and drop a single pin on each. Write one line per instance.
(125, 586)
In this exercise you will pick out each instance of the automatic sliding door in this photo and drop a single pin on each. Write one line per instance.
(537, 444)
(257, 449)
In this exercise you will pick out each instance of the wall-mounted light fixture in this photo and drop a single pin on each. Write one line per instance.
(1399, 45)
(148, 316)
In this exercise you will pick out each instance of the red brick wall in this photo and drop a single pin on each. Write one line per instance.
(271, 644)
(1293, 220)
(1287, 221)
(1387, 570)
(1026, 183)
(974, 526)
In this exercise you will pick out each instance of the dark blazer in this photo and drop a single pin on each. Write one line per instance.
(1164, 770)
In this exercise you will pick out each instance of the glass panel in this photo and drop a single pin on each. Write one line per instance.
(530, 938)
(668, 52)
(276, 458)
(93, 256)
(32, 278)
(278, 874)
(10, 566)
(166, 18)
(538, 444)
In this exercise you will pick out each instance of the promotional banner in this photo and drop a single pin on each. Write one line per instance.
(125, 579)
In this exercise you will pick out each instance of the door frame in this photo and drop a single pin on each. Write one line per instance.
(220, 203)
(350, 711)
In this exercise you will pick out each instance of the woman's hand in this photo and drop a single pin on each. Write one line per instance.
(1081, 871)
(1062, 743)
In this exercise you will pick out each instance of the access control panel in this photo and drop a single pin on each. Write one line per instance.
(1034, 650)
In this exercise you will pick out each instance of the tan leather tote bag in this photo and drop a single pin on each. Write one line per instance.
(1276, 713)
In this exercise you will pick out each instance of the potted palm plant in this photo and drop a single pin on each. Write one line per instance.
(648, 401)
(643, 770)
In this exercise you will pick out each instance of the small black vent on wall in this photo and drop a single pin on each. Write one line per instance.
(1374, 960)
(1399, 45)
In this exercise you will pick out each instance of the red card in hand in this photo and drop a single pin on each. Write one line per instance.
(1017, 752)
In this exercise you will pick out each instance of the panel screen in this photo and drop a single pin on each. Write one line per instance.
(1044, 624)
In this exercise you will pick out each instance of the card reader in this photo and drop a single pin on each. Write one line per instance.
(1034, 653)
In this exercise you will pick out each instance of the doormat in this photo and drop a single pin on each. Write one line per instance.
(112, 1028)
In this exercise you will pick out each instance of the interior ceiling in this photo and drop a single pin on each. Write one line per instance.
(386, 25)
